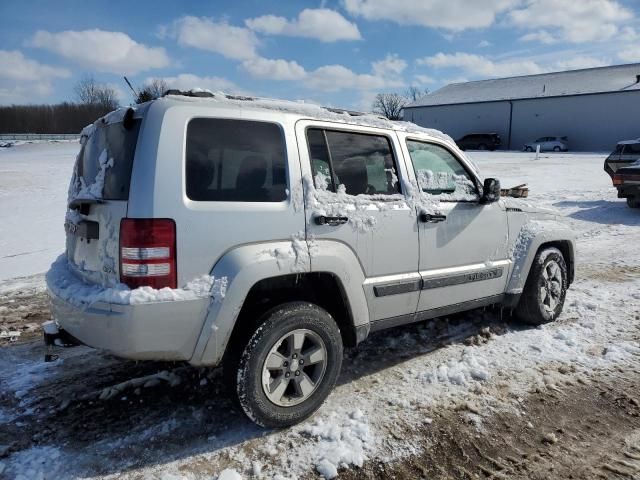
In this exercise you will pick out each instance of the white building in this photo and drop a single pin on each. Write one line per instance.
(594, 107)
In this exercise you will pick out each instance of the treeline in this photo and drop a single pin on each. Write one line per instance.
(60, 118)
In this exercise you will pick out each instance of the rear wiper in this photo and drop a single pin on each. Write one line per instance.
(83, 203)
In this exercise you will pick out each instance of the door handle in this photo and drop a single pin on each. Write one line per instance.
(432, 218)
(332, 221)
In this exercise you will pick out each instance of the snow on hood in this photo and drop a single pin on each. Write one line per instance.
(527, 207)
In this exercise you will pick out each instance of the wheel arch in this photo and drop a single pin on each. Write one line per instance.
(547, 234)
(259, 276)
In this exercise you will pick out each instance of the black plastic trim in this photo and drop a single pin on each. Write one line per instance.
(385, 323)
(449, 280)
(397, 288)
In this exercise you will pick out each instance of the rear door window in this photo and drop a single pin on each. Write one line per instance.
(235, 161)
(362, 164)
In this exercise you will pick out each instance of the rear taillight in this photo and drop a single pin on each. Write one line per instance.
(617, 179)
(148, 253)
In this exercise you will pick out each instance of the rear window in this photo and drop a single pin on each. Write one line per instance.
(116, 143)
(235, 161)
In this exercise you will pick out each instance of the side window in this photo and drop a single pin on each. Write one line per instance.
(235, 161)
(360, 163)
(440, 173)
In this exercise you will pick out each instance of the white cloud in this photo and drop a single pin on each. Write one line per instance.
(104, 51)
(631, 54)
(331, 78)
(385, 73)
(453, 15)
(15, 66)
(424, 79)
(541, 36)
(321, 24)
(188, 81)
(579, 62)
(484, 44)
(274, 69)
(24, 80)
(237, 43)
(389, 66)
(480, 65)
(576, 21)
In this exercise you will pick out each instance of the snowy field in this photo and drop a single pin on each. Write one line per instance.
(90, 415)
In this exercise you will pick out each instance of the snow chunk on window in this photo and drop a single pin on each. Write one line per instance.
(447, 185)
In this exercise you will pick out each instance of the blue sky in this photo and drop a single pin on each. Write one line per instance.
(339, 52)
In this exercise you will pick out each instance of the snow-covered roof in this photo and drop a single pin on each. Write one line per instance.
(629, 142)
(299, 108)
(573, 82)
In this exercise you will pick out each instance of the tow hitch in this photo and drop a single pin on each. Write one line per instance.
(56, 337)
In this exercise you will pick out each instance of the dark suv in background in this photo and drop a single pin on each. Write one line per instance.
(479, 141)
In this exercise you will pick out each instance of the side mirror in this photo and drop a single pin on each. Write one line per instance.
(490, 191)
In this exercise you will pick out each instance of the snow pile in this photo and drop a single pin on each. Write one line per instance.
(340, 442)
(229, 474)
(460, 372)
(39, 463)
(62, 283)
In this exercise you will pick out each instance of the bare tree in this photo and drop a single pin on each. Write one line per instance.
(413, 93)
(90, 92)
(152, 90)
(390, 105)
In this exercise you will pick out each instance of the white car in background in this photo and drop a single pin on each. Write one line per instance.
(548, 144)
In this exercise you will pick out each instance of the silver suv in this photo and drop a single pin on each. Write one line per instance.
(266, 235)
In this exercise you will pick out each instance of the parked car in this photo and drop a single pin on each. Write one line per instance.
(623, 166)
(479, 141)
(548, 144)
(265, 236)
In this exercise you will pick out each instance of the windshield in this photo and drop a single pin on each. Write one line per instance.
(117, 145)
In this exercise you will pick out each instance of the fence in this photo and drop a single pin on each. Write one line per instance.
(38, 136)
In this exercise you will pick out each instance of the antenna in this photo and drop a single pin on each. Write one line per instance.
(136, 94)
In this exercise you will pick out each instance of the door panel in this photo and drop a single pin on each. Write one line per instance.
(380, 228)
(463, 252)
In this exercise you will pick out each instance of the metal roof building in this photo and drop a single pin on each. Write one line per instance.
(594, 107)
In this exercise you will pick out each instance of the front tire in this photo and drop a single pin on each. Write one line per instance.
(528, 149)
(545, 289)
(289, 365)
(633, 202)
(557, 149)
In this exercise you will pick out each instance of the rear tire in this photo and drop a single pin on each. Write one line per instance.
(633, 202)
(556, 149)
(528, 149)
(482, 147)
(545, 289)
(289, 365)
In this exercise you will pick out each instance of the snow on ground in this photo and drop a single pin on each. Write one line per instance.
(34, 179)
(391, 388)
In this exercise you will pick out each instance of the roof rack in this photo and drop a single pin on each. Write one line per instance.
(208, 94)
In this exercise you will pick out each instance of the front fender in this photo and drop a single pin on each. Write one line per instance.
(532, 235)
(243, 267)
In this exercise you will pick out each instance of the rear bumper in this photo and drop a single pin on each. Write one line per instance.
(627, 191)
(148, 331)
